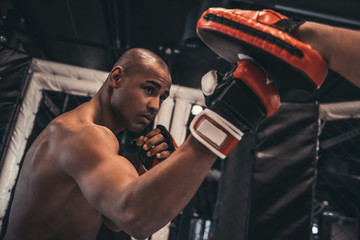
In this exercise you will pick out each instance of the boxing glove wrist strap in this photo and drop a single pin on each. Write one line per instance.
(215, 132)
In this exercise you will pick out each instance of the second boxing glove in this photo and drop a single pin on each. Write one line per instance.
(237, 102)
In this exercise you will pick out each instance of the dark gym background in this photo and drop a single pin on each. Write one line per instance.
(94, 33)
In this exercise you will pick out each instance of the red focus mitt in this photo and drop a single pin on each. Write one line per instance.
(265, 36)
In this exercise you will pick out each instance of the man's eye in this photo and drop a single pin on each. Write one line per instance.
(162, 98)
(149, 90)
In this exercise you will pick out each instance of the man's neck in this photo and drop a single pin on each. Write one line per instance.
(101, 111)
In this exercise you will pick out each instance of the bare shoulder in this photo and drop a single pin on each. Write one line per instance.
(98, 136)
(86, 146)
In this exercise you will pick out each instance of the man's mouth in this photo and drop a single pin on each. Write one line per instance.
(146, 118)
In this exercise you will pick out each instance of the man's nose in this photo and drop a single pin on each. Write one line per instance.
(154, 104)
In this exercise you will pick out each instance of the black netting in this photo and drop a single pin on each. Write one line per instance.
(337, 191)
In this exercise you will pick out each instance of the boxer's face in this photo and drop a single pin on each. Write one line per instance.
(140, 96)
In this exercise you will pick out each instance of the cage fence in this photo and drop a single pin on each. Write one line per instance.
(337, 189)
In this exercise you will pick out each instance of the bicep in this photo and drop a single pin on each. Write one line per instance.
(102, 183)
(99, 172)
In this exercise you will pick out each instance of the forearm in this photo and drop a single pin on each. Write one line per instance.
(340, 47)
(160, 194)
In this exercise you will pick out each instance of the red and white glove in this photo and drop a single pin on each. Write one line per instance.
(237, 103)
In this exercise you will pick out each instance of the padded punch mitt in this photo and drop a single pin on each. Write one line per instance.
(266, 37)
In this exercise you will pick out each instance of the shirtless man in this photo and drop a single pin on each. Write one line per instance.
(73, 179)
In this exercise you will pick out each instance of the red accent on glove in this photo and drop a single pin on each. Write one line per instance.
(256, 80)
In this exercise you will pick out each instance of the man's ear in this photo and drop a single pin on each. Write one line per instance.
(117, 76)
